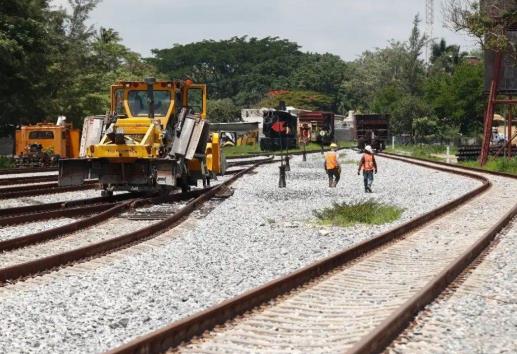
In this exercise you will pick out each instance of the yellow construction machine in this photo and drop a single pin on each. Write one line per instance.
(155, 138)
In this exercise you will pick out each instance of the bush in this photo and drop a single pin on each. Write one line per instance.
(369, 212)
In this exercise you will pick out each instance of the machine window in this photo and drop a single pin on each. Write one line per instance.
(139, 106)
(119, 102)
(195, 100)
(41, 134)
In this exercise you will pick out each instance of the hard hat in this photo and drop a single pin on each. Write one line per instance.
(369, 149)
(333, 146)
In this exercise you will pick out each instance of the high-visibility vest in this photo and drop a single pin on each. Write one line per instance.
(368, 162)
(330, 160)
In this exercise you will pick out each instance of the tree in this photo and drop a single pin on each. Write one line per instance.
(303, 99)
(457, 99)
(488, 24)
(445, 57)
(424, 127)
(24, 58)
(240, 68)
(223, 110)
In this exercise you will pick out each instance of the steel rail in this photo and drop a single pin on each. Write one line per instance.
(47, 207)
(30, 187)
(107, 211)
(465, 168)
(27, 180)
(41, 190)
(186, 329)
(388, 330)
(20, 170)
(29, 268)
(54, 214)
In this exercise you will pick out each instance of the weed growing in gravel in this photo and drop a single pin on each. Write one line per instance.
(369, 212)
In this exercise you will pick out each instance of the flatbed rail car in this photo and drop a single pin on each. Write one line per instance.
(316, 127)
(279, 129)
(156, 138)
(371, 129)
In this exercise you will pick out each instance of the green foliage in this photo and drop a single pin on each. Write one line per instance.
(425, 127)
(489, 24)
(24, 58)
(240, 68)
(6, 162)
(223, 110)
(309, 100)
(369, 212)
(458, 99)
(53, 63)
(500, 164)
(320, 73)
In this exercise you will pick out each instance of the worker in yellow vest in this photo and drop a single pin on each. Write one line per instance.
(369, 167)
(332, 165)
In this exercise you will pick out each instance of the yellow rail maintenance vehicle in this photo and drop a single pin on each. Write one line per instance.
(155, 138)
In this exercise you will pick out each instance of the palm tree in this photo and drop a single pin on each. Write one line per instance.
(446, 57)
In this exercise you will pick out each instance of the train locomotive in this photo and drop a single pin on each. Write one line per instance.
(154, 139)
(279, 129)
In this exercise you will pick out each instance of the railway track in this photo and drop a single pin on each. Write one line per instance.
(42, 189)
(12, 270)
(358, 300)
(27, 180)
(13, 171)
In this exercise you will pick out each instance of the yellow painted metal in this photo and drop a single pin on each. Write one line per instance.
(144, 136)
(213, 154)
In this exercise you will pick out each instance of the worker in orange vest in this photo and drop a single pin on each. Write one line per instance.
(369, 167)
(332, 165)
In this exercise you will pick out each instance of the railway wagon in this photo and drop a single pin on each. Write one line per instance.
(316, 127)
(279, 129)
(371, 129)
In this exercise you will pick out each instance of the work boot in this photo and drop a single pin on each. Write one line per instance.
(330, 183)
(369, 190)
(334, 184)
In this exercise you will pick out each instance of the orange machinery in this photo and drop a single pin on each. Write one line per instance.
(45, 143)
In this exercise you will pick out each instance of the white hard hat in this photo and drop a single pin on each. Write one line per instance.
(369, 149)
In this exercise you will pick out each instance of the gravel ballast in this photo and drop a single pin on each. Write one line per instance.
(258, 234)
(479, 316)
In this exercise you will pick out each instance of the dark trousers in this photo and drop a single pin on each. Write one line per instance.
(333, 175)
(368, 179)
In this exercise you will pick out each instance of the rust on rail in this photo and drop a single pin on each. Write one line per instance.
(174, 334)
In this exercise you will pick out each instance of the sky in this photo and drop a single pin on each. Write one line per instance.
(343, 27)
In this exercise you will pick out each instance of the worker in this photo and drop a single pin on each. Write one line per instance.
(332, 165)
(369, 167)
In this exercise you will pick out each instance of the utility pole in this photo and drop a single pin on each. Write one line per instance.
(429, 21)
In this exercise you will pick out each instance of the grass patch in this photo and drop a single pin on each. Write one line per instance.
(500, 164)
(369, 212)
(255, 149)
(422, 151)
(6, 162)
